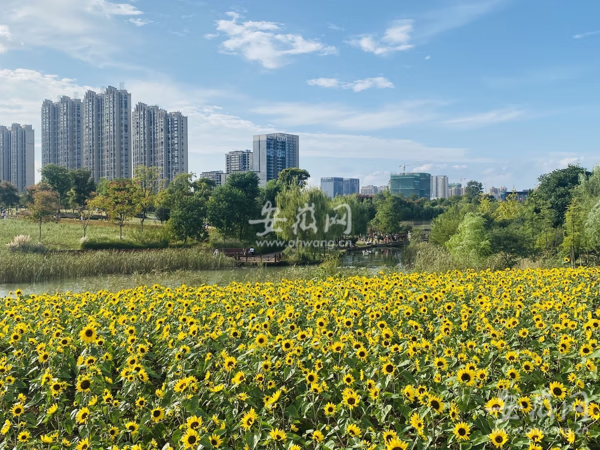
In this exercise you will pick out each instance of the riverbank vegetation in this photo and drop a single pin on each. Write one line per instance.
(35, 267)
(558, 223)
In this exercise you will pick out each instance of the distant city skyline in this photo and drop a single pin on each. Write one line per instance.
(499, 91)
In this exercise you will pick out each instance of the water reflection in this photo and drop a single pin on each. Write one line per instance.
(371, 259)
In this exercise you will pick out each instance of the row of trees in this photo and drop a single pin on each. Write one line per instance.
(560, 217)
(188, 205)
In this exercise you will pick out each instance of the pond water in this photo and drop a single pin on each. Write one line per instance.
(370, 260)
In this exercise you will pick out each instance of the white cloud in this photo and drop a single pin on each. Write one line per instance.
(5, 38)
(565, 162)
(404, 34)
(427, 58)
(396, 38)
(487, 118)
(348, 118)
(361, 85)
(325, 145)
(586, 34)
(459, 166)
(112, 9)
(423, 168)
(84, 29)
(335, 27)
(263, 42)
(325, 82)
(356, 86)
(140, 22)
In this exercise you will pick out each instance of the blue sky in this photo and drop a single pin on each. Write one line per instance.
(494, 90)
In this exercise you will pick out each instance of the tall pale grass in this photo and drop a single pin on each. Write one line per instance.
(23, 268)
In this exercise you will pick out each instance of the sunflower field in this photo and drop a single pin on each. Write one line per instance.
(461, 360)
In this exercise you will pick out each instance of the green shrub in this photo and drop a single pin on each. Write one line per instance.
(105, 243)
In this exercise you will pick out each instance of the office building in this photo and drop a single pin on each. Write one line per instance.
(411, 184)
(238, 161)
(351, 186)
(383, 188)
(159, 139)
(439, 187)
(332, 186)
(17, 147)
(336, 186)
(215, 175)
(274, 153)
(107, 134)
(369, 190)
(62, 133)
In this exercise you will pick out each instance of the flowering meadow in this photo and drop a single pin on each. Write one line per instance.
(458, 360)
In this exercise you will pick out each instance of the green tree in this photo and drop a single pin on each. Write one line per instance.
(187, 220)
(304, 213)
(470, 245)
(389, 215)
(574, 230)
(186, 201)
(147, 181)
(228, 212)
(509, 209)
(121, 201)
(82, 186)
(57, 177)
(293, 176)
(359, 211)
(557, 189)
(43, 207)
(473, 189)
(592, 228)
(9, 195)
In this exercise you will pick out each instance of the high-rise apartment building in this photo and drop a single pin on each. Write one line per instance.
(456, 190)
(107, 134)
(62, 133)
(177, 151)
(17, 147)
(159, 140)
(409, 184)
(115, 156)
(439, 187)
(92, 133)
(274, 153)
(498, 193)
(238, 161)
(4, 153)
(215, 175)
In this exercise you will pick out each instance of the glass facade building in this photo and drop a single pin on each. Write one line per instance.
(336, 186)
(274, 153)
(409, 184)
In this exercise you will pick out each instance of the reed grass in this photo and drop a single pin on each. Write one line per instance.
(29, 268)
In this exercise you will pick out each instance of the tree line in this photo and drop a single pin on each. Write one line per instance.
(560, 218)
(187, 206)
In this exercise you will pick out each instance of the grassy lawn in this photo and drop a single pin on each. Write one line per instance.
(64, 235)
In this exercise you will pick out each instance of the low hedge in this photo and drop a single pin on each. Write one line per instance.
(116, 244)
